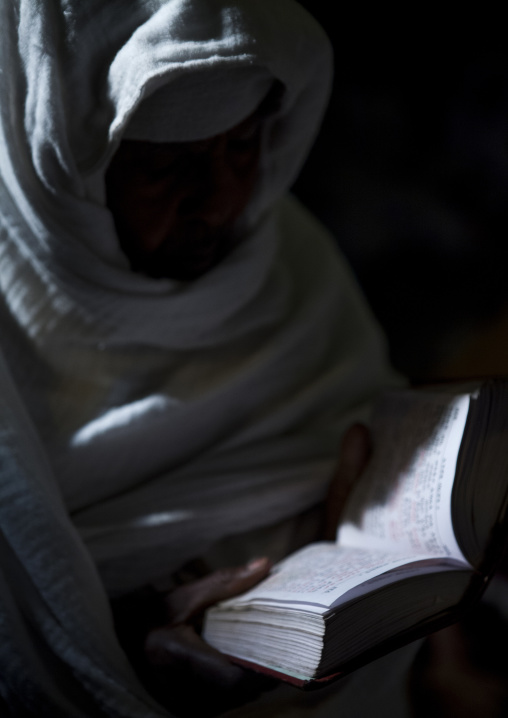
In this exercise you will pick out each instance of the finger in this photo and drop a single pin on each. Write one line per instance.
(191, 599)
(180, 648)
(353, 458)
(182, 664)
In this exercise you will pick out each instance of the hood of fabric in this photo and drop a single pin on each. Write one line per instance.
(174, 112)
(77, 74)
(145, 422)
(173, 414)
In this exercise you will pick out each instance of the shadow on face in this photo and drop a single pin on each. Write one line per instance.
(175, 205)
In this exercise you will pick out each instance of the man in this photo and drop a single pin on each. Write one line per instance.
(183, 345)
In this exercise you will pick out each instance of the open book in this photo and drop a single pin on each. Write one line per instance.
(416, 544)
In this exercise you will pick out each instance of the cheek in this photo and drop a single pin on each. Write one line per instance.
(141, 212)
(245, 180)
(247, 190)
(150, 192)
(133, 193)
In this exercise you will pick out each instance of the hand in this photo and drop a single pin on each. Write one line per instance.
(183, 672)
(354, 455)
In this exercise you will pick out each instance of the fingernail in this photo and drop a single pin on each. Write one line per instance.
(257, 564)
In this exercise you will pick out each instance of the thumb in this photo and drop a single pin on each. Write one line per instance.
(353, 458)
(191, 599)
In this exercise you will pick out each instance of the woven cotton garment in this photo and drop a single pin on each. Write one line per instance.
(145, 420)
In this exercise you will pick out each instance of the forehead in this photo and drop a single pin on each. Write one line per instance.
(144, 151)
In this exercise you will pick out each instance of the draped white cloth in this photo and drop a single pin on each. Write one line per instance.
(144, 420)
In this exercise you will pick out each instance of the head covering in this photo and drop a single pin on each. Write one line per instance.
(68, 110)
(195, 107)
(144, 420)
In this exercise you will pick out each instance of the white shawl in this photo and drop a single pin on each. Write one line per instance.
(144, 420)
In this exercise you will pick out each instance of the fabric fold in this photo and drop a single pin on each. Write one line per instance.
(147, 421)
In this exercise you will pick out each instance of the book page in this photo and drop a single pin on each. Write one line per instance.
(319, 574)
(403, 500)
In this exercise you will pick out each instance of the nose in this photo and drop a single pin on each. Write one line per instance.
(212, 196)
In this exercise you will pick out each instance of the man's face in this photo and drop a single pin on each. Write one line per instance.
(175, 205)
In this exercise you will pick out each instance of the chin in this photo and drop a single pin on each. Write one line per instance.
(183, 269)
(188, 266)
(179, 273)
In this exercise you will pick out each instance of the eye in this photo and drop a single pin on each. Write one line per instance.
(160, 166)
(245, 141)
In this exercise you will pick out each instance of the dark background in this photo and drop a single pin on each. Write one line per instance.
(410, 172)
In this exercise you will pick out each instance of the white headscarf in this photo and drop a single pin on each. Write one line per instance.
(164, 416)
(199, 106)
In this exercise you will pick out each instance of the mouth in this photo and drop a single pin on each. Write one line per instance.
(185, 257)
